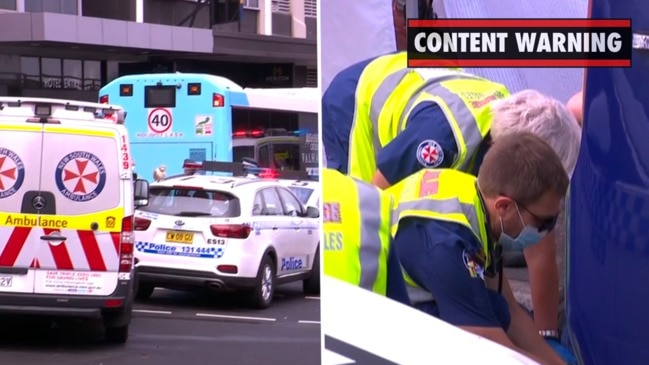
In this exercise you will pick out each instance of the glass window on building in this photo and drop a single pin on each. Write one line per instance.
(51, 73)
(73, 74)
(31, 72)
(91, 75)
(52, 6)
(8, 4)
(251, 4)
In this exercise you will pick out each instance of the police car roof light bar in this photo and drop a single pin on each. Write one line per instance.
(242, 169)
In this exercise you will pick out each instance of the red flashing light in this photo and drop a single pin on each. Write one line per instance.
(269, 174)
(217, 100)
(256, 133)
(103, 99)
(192, 165)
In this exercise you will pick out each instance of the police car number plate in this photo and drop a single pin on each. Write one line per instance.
(180, 237)
(6, 281)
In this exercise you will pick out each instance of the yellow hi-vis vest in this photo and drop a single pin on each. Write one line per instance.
(387, 93)
(440, 194)
(356, 230)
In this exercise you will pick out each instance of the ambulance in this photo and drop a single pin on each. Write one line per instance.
(67, 199)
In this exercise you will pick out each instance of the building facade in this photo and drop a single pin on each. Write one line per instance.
(70, 48)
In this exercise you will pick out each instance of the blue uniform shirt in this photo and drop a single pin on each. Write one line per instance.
(441, 257)
(403, 156)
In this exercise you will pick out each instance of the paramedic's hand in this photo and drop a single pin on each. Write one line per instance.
(561, 350)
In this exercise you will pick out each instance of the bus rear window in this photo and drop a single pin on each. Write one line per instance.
(160, 96)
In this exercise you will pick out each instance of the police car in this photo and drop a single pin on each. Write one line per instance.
(366, 328)
(67, 200)
(226, 233)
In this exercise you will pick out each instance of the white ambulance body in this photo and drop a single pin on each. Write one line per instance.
(66, 211)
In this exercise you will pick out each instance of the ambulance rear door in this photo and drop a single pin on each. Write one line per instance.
(79, 254)
(20, 156)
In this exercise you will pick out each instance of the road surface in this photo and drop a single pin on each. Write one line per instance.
(175, 328)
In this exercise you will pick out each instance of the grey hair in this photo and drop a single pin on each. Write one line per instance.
(546, 117)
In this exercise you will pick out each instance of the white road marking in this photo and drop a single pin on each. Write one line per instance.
(235, 317)
(314, 298)
(150, 311)
(309, 322)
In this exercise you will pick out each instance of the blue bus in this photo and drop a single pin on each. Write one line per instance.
(175, 117)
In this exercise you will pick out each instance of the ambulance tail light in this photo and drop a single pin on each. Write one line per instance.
(141, 224)
(103, 99)
(240, 231)
(217, 100)
(126, 245)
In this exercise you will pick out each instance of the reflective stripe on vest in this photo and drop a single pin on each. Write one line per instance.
(370, 251)
(388, 92)
(448, 195)
(366, 237)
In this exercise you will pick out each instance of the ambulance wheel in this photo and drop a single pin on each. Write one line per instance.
(312, 284)
(144, 290)
(262, 295)
(117, 335)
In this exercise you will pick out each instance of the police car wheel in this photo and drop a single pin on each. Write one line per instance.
(312, 284)
(144, 290)
(116, 334)
(262, 294)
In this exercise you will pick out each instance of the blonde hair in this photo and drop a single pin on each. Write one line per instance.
(548, 118)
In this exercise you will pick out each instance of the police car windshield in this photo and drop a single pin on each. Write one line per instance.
(302, 193)
(188, 202)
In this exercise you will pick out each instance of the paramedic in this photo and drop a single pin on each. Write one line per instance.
(356, 228)
(371, 131)
(449, 226)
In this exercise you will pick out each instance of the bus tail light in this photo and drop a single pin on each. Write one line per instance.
(217, 100)
(241, 231)
(103, 99)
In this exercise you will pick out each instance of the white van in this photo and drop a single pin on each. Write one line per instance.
(67, 199)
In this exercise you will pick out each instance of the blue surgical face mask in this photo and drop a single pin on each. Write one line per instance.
(529, 236)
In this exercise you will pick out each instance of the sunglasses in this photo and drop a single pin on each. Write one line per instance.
(547, 224)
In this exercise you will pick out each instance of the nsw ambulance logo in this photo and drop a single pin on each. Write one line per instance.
(430, 154)
(80, 176)
(12, 173)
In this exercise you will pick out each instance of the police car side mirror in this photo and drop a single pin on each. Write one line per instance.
(312, 212)
(141, 193)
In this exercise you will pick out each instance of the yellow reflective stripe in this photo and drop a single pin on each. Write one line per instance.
(366, 231)
(446, 209)
(370, 248)
(78, 131)
(21, 128)
(76, 222)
